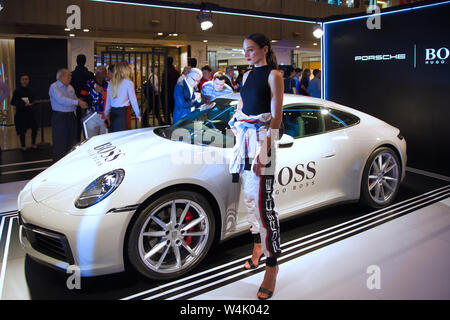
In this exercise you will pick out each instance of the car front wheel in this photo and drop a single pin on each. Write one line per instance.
(381, 178)
(171, 235)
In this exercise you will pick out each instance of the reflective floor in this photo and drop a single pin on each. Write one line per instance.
(344, 252)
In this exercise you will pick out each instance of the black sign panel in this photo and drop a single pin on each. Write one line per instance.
(399, 73)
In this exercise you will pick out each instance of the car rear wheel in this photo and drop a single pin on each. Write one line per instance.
(171, 235)
(381, 178)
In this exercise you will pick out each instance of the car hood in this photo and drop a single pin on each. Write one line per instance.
(98, 156)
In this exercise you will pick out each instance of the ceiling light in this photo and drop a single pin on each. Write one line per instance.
(160, 33)
(72, 35)
(86, 30)
(66, 29)
(205, 20)
(297, 47)
(205, 40)
(315, 43)
(317, 31)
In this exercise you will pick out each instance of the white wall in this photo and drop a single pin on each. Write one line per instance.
(283, 55)
(80, 46)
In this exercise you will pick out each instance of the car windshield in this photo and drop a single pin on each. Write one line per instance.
(206, 125)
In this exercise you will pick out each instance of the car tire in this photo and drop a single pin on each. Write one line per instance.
(160, 246)
(381, 178)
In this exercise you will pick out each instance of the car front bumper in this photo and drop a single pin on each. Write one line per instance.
(94, 244)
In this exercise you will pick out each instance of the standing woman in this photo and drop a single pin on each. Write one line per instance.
(120, 94)
(24, 119)
(256, 124)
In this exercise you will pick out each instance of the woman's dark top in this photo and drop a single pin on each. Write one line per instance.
(24, 117)
(256, 94)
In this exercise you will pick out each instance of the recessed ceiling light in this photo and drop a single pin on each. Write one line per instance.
(72, 35)
(86, 30)
(315, 43)
(160, 33)
(175, 34)
(297, 47)
(205, 40)
(66, 29)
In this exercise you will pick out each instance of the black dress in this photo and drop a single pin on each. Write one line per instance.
(24, 118)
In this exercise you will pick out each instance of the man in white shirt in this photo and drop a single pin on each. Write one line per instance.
(64, 122)
(184, 95)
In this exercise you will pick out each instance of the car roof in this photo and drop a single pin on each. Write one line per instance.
(289, 99)
(295, 98)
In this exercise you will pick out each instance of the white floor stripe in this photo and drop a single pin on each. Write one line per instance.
(281, 259)
(5, 257)
(24, 163)
(20, 171)
(286, 244)
(409, 202)
(428, 174)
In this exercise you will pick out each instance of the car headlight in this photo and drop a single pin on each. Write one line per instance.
(100, 188)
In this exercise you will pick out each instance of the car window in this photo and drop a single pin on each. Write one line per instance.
(303, 120)
(336, 119)
(205, 126)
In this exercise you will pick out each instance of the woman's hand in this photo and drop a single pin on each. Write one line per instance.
(258, 166)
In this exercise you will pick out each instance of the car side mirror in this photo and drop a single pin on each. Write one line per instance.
(286, 141)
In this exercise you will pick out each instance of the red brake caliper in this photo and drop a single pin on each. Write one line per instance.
(189, 218)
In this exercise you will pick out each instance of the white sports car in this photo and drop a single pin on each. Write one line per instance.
(160, 197)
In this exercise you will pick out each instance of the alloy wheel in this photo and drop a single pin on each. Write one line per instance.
(173, 236)
(383, 177)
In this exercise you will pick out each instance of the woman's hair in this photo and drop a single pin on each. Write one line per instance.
(261, 40)
(122, 70)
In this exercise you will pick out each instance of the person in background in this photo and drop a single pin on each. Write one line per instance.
(185, 96)
(172, 77)
(120, 94)
(298, 74)
(314, 87)
(64, 122)
(192, 62)
(239, 79)
(80, 76)
(216, 87)
(304, 82)
(109, 73)
(94, 122)
(4, 93)
(207, 76)
(23, 100)
(153, 95)
(289, 82)
(229, 72)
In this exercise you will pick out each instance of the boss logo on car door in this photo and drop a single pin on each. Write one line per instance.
(297, 178)
(108, 152)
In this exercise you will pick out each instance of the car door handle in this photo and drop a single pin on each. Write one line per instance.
(329, 155)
